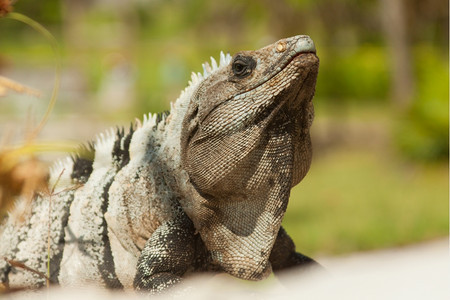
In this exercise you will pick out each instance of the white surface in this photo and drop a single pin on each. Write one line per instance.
(413, 272)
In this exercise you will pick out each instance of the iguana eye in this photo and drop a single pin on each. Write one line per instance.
(243, 66)
(239, 68)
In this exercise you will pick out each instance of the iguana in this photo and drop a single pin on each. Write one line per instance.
(200, 189)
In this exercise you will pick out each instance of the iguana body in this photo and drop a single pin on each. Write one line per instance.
(203, 188)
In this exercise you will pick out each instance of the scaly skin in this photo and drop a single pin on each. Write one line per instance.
(203, 188)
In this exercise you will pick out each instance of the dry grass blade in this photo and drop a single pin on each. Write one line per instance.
(8, 84)
(20, 265)
(51, 39)
(49, 225)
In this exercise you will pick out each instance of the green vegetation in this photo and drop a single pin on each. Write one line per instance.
(363, 194)
(423, 132)
(360, 200)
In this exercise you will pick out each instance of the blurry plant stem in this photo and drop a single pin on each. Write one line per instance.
(52, 192)
(48, 233)
(9, 155)
(51, 39)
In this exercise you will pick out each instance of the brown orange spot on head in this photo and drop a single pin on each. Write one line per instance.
(281, 46)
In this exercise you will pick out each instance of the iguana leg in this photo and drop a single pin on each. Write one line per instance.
(283, 255)
(166, 256)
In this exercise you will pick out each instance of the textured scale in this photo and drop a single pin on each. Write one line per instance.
(202, 188)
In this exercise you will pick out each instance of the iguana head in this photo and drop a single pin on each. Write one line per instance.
(244, 143)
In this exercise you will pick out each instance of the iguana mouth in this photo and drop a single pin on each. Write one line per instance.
(307, 62)
(300, 55)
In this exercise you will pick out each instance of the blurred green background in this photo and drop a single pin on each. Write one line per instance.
(379, 176)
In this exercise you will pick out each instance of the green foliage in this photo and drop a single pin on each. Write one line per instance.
(360, 74)
(48, 13)
(423, 132)
(358, 200)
